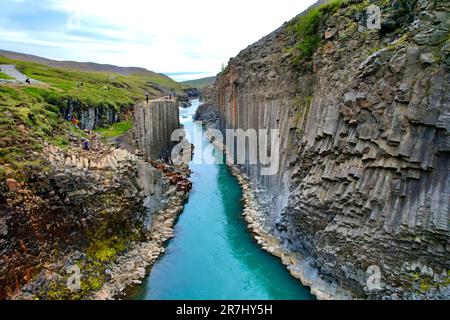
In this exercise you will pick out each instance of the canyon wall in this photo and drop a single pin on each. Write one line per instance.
(90, 117)
(154, 123)
(84, 210)
(88, 209)
(208, 114)
(364, 128)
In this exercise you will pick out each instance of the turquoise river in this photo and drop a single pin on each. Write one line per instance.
(213, 256)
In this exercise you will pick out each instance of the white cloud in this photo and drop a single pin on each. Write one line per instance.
(169, 36)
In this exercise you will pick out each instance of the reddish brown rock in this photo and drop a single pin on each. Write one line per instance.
(12, 185)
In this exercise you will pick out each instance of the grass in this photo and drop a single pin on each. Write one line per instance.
(116, 130)
(30, 114)
(99, 89)
(307, 33)
(30, 117)
(5, 76)
(200, 83)
(307, 28)
(26, 122)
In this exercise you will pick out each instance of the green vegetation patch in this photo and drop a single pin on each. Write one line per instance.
(116, 130)
(200, 83)
(31, 114)
(26, 121)
(307, 28)
(108, 239)
(93, 89)
(5, 76)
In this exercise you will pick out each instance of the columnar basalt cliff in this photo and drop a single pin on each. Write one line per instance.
(364, 118)
(90, 117)
(154, 124)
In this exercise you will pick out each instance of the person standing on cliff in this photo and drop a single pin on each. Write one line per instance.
(146, 97)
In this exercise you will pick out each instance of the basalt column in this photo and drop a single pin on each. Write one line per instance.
(154, 123)
(364, 125)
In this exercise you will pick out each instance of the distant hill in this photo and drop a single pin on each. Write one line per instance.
(81, 66)
(93, 84)
(200, 83)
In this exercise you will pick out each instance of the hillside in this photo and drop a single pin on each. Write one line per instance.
(33, 114)
(82, 66)
(60, 201)
(200, 83)
(121, 87)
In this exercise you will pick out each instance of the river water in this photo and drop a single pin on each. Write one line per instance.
(213, 256)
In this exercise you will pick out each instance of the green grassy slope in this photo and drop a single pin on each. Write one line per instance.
(5, 76)
(116, 130)
(80, 66)
(26, 122)
(98, 87)
(30, 114)
(200, 83)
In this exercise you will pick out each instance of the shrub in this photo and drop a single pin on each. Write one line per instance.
(308, 26)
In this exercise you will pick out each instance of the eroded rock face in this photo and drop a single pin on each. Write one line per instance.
(86, 209)
(90, 117)
(154, 123)
(62, 216)
(364, 131)
(208, 114)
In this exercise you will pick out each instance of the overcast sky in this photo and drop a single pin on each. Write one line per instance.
(186, 39)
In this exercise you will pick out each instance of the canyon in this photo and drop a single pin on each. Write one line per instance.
(358, 208)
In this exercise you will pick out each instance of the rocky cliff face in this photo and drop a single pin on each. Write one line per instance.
(208, 114)
(83, 210)
(90, 117)
(100, 210)
(154, 124)
(364, 129)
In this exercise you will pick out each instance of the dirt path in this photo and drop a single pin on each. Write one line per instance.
(11, 71)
